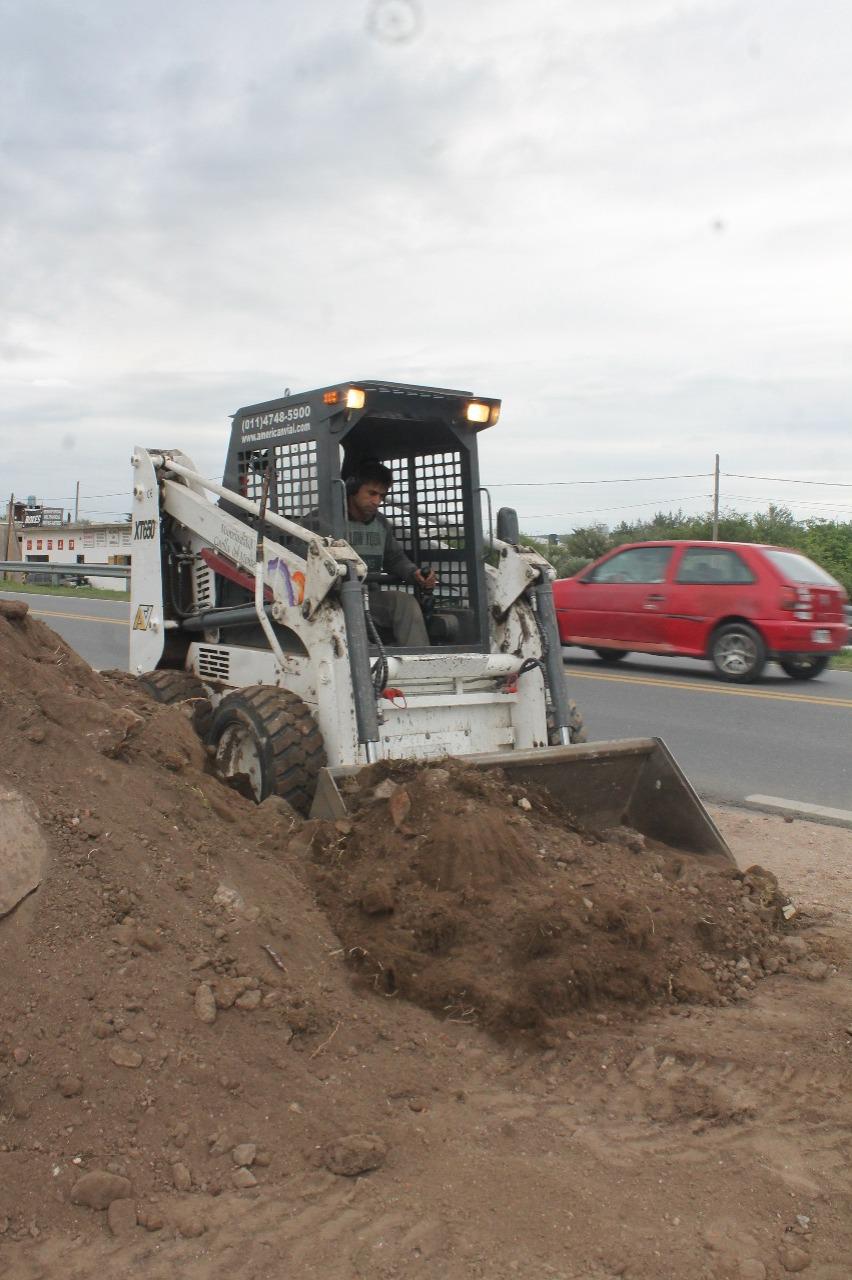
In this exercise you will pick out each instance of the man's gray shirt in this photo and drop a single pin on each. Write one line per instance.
(378, 548)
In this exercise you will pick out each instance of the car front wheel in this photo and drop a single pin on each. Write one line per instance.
(611, 655)
(805, 666)
(737, 652)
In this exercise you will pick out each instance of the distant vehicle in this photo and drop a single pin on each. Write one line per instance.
(737, 604)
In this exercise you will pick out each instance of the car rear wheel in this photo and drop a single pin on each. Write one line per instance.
(611, 655)
(266, 742)
(737, 652)
(805, 666)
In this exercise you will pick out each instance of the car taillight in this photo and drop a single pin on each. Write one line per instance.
(798, 601)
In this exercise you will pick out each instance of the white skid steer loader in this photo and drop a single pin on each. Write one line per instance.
(248, 597)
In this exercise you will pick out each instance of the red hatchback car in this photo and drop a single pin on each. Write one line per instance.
(736, 603)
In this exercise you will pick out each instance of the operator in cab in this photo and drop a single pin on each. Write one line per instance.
(369, 533)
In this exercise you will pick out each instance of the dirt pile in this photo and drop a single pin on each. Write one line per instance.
(182, 1040)
(482, 901)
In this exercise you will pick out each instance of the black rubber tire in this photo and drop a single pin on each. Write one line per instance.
(576, 725)
(611, 655)
(173, 687)
(737, 652)
(273, 731)
(804, 667)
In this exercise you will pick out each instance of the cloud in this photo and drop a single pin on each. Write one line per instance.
(626, 217)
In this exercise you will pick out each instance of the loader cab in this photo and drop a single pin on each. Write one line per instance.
(427, 437)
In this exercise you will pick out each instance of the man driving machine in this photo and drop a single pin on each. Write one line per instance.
(369, 533)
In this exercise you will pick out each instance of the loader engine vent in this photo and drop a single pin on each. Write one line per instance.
(203, 587)
(426, 509)
(214, 663)
(296, 488)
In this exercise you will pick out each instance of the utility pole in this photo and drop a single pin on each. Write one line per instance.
(77, 501)
(716, 501)
(10, 524)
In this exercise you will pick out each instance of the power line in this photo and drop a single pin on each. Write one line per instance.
(563, 515)
(797, 502)
(549, 484)
(739, 475)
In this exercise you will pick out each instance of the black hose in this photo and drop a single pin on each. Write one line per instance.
(536, 664)
(379, 670)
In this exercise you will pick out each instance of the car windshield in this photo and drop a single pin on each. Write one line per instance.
(800, 569)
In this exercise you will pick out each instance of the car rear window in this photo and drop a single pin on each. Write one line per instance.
(708, 565)
(799, 568)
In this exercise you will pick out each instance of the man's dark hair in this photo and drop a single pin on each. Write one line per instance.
(369, 471)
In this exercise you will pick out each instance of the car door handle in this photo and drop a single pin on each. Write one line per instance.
(654, 599)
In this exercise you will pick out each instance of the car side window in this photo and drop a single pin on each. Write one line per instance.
(708, 566)
(635, 564)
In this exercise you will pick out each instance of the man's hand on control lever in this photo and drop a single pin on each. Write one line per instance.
(426, 578)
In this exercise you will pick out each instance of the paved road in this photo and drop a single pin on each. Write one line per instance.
(776, 738)
(97, 629)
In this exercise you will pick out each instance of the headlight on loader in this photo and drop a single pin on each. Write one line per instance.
(477, 411)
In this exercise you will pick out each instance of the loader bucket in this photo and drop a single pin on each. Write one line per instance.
(634, 783)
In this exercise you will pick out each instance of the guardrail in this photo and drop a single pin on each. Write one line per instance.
(40, 569)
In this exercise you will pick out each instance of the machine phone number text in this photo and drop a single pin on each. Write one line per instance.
(296, 413)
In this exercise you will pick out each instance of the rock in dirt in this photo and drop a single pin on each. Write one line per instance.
(123, 1056)
(399, 806)
(181, 1176)
(189, 1223)
(230, 899)
(377, 899)
(244, 1154)
(205, 1004)
(357, 1153)
(752, 1269)
(243, 1178)
(385, 789)
(98, 1189)
(69, 1086)
(121, 1217)
(249, 999)
(229, 990)
(793, 1258)
(24, 850)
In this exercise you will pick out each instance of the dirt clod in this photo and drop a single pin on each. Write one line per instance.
(121, 1217)
(357, 1153)
(98, 1189)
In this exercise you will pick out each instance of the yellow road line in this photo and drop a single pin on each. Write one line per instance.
(736, 691)
(80, 617)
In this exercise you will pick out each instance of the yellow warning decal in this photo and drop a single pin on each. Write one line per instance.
(142, 620)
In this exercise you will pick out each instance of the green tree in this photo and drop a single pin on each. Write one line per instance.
(828, 542)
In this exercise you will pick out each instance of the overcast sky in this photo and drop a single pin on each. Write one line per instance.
(630, 219)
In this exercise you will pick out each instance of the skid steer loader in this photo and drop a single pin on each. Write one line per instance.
(247, 597)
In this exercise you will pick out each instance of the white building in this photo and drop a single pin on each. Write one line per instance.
(78, 544)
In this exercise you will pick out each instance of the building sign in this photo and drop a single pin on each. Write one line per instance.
(43, 515)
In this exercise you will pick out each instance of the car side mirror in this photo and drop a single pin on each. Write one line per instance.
(507, 525)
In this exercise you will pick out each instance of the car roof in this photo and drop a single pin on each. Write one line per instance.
(698, 542)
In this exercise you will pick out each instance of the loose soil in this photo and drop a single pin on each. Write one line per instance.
(451, 1035)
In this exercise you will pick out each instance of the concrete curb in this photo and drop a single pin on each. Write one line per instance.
(800, 809)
